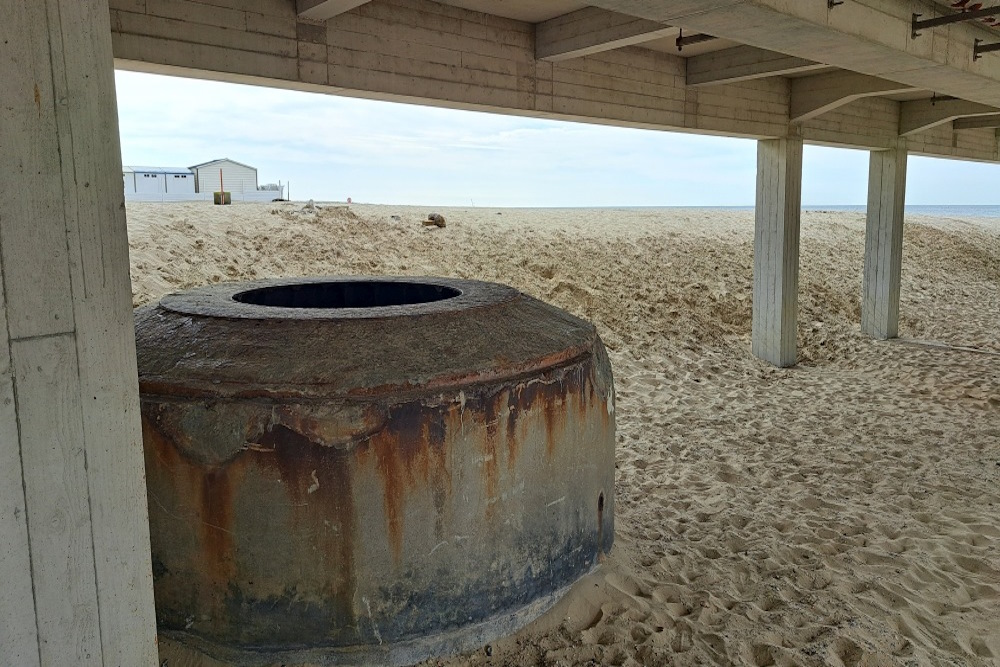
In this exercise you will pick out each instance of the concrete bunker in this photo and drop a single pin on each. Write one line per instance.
(357, 470)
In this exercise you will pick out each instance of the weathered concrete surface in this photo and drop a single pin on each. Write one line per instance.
(865, 36)
(75, 580)
(776, 250)
(370, 484)
(884, 243)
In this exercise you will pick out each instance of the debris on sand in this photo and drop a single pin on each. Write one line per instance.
(434, 220)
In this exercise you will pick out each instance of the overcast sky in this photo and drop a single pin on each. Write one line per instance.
(331, 148)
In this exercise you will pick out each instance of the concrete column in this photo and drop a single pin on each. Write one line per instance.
(75, 576)
(776, 249)
(884, 243)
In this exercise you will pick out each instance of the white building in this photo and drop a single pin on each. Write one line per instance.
(157, 180)
(197, 183)
(236, 177)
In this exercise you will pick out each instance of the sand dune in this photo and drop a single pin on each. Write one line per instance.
(843, 512)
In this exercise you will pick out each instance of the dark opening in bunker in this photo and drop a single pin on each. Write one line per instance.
(347, 294)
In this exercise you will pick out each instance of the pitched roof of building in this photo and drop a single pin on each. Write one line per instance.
(156, 170)
(224, 159)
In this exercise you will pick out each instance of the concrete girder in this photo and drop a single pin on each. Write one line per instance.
(321, 10)
(592, 30)
(743, 63)
(977, 122)
(446, 55)
(920, 115)
(813, 96)
(869, 38)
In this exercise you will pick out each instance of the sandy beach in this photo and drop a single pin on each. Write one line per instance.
(842, 512)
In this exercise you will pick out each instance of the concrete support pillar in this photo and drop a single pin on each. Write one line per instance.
(884, 243)
(776, 249)
(75, 576)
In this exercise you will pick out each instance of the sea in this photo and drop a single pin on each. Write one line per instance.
(940, 211)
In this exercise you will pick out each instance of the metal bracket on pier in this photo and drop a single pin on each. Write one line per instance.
(978, 49)
(970, 15)
(683, 41)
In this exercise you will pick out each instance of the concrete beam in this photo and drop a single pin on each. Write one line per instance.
(776, 250)
(592, 30)
(76, 585)
(884, 243)
(920, 115)
(868, 37)
(977, 122)
(813, 96)
(321, 10)
(743, 63)
(444, 55)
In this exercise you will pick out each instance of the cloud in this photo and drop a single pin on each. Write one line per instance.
(941, 181)
(333, 147)
(833, 176)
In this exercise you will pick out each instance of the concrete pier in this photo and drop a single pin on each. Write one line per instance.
(74, 549)
(776, 249)
(884, 243)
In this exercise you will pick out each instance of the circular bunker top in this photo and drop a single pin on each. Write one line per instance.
(349, 337)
